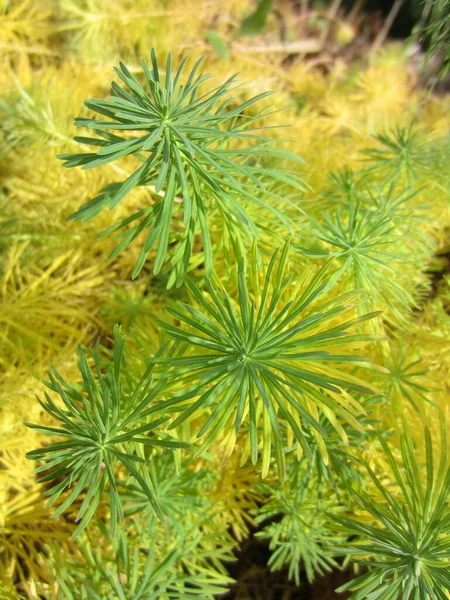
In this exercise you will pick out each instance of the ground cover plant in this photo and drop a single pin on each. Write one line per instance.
(224, 307)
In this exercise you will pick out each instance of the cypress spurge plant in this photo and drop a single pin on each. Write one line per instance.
(409, 155)
(408, 379)
(297, 527)
(101, 427)
(272, 357)
(362, 242)
(406, 542)
(403, 151)
(131, 572)
(182, 493)
(197, 150)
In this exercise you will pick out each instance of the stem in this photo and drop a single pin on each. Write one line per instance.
(331, 17)
(304, 6)
(301, 47)
(382, 34)
(356, 8)
(424, 16)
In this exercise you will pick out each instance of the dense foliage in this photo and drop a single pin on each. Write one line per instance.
(262, 335)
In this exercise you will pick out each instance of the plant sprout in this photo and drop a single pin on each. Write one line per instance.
(270, 358)
(200, 145)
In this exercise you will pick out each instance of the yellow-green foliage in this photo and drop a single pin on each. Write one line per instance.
(376, 151)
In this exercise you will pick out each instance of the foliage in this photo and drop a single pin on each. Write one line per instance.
(435, 35)
(361, 238)
(339, 467)
(376, 148)
(255, 23)
(178, 494)
(132, 572)
(407, 543)
(300, 532)
(402, 152)
(186, 148)
(270, 358)
(45, 307)
(102, 427)
(27, 532)
(408, 379)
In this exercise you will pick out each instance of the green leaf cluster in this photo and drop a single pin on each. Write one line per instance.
(436, 17)
(361, 237)
(132, 572)
(274, 358)
(298, 528)
(197, 151)
(101, 426)
(406, 542)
